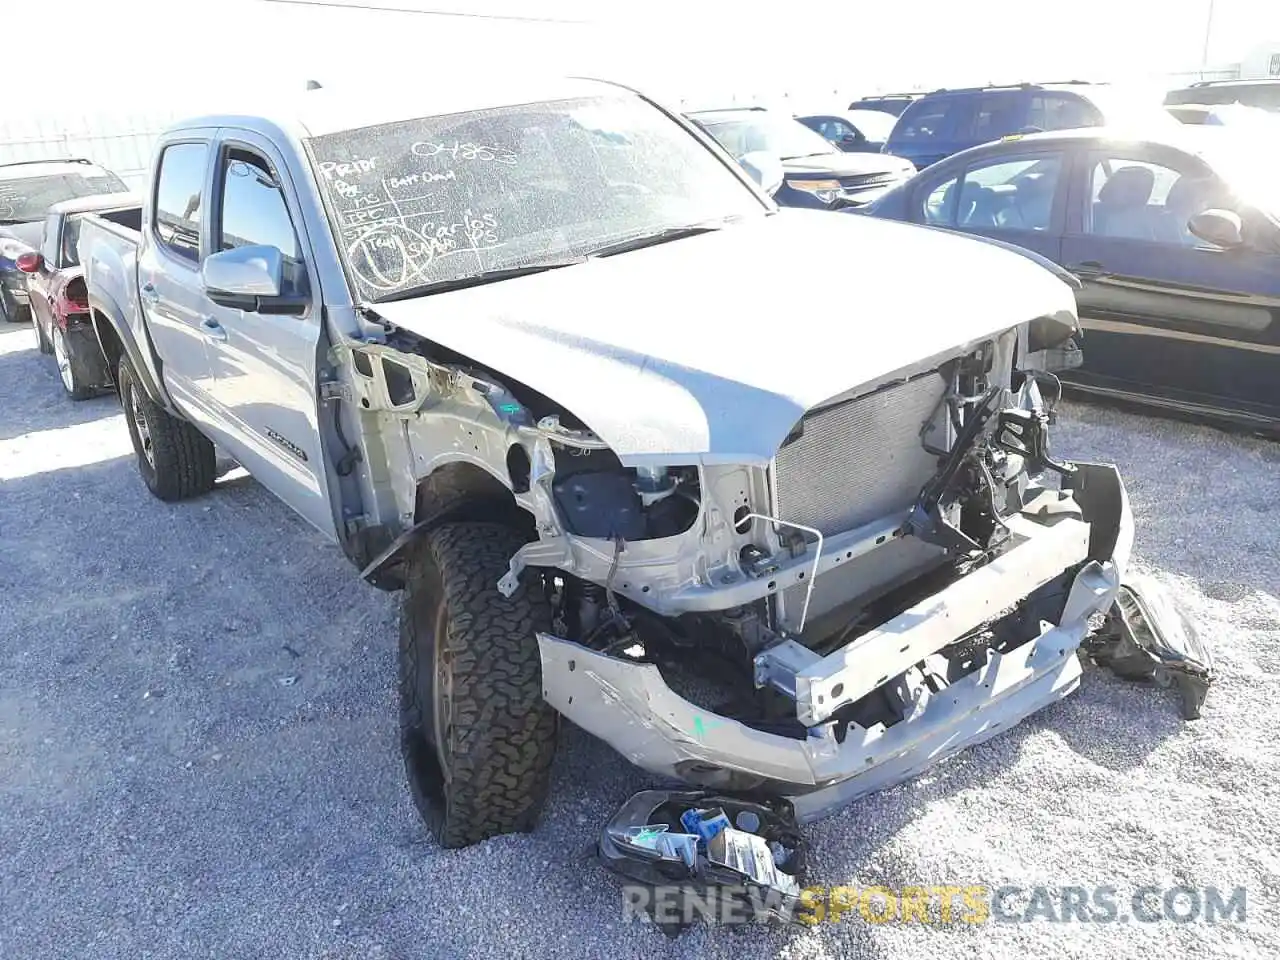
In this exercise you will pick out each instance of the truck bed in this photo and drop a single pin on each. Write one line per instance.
(109, 255)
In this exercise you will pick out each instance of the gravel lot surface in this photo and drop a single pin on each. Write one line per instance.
(198, 748)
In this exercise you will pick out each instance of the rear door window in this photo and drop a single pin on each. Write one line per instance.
(1004, 193)
(49, 241)
(996, 115)
(928, 120)
(179, 187)
(1061, 111)
(71, 241)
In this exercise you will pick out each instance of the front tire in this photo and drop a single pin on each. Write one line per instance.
(175, 459)
(477, 737)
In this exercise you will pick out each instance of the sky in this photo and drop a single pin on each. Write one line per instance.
(184, 55)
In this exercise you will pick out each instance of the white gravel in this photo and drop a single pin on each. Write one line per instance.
(167, 790)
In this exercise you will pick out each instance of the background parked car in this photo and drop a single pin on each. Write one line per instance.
(893, 103)
(853, 131)
(815, 173)
(1243, 118)
(1176, 240)
(56, 289)
(1252, 93)
(948, 121)
(27, 190)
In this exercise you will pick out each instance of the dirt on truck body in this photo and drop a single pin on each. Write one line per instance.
(547, 361)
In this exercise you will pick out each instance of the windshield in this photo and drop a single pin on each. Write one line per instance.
(755, 130)
(437, 200)
(26, 199)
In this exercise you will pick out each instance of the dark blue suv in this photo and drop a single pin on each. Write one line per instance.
(948, 121)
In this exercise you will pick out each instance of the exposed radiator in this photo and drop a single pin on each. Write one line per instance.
(855, 463)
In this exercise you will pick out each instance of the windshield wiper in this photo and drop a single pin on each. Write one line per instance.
(666, 235)
(479, 279)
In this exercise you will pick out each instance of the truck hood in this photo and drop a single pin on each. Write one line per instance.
(710, 349)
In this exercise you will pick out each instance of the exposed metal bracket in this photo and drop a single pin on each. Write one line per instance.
(778, 665)
(817, 556)
(539, 553)
(335, 390)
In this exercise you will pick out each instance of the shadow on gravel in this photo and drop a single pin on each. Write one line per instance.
(1206, 502)
(34, 400)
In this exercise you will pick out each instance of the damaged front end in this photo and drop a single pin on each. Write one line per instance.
(910, 573)
(884, 641)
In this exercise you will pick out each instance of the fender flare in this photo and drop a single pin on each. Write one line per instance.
(386, 570)
(102, 308)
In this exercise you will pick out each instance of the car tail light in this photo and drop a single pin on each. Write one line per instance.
(72, 301)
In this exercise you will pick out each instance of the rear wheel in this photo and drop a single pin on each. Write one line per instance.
(477, 737)
(62, 355)
(175, 459)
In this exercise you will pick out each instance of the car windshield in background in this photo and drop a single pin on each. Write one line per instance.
(759, 130)
(438, 200)
(26, 199)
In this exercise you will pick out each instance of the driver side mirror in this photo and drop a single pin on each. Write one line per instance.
(249, 278)
(1222, 228)
(764, 168)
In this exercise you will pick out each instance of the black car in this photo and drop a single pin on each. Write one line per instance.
(948, 121)
(1175, 239)
(853, 131)
(27, 190)
(816, 174)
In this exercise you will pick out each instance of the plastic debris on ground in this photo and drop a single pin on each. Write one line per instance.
(709, 848)
(1149, 637)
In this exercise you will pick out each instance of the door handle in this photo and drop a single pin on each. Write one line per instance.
(212, 329)
(149, 293)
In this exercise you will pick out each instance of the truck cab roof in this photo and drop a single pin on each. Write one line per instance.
(325, 110)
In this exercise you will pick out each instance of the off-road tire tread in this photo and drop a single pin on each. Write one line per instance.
(502, 740)
(186, 464)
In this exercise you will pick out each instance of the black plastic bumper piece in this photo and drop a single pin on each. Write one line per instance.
(1149, 638)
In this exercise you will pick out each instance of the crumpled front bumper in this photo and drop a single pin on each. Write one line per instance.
(630, 706)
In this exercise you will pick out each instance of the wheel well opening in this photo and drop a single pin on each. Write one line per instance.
(473, 491)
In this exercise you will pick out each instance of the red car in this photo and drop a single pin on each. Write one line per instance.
(56, 289)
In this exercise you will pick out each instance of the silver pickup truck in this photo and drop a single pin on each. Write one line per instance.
(547, 360)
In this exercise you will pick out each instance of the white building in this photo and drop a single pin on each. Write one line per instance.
(1262, 61)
